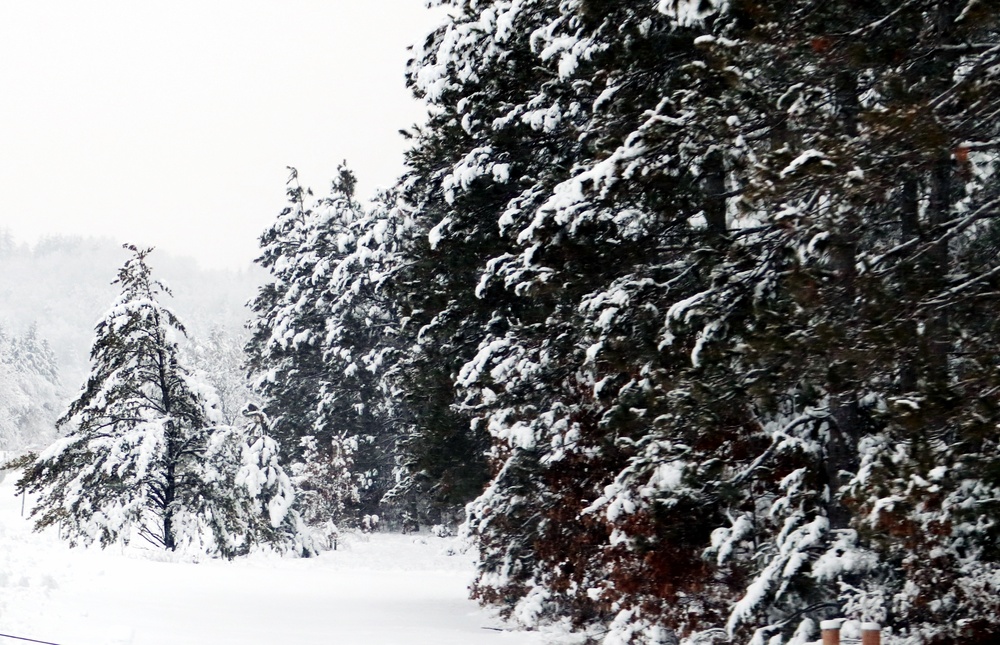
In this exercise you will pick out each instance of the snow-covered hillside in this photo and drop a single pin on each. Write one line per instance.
(382, 589)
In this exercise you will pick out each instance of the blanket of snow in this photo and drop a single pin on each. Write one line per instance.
(379, 589)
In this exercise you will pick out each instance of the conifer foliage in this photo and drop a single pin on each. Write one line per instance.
(141, 455)
(718, 279)
(319, 343)
(247, 497)
(284, 355)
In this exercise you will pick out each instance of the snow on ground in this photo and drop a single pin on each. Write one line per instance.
(384, 589)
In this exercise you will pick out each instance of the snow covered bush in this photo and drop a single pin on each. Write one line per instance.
(249, 497)
(326, 480)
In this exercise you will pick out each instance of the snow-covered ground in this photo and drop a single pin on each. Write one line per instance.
(379, 590)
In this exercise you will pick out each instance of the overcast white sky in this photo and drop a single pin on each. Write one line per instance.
(170, 123)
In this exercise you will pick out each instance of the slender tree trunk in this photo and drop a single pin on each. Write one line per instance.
(845, 412)
(842, 385)
(846, 88)
(909, 213)
(909, 216)
(169, 495)
(171, 457)
(936, 341)
(715, 193)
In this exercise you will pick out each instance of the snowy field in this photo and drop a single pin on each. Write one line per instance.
(379, 590)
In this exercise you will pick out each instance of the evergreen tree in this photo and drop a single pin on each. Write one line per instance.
(713, 277)
(327, 481)
(284, 356)
(138, 459)
(359, 341)
(572, 196)
(247, 494)
(319, 341)
(820, 316)
(14, 403)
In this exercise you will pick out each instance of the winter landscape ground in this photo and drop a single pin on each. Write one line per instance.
(380, 589)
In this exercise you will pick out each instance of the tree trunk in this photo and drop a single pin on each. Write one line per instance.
(842, 386)
(715, 193)
(170, 430)
(846, 88)
(170, 491)
(845, 412)
(909, 216)
(937, 345)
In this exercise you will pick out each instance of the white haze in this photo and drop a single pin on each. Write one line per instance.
(62, 285)
(172, 123)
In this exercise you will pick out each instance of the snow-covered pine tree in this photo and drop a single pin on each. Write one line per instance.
(585, 193)
(722, 293)
(31, 354)
(360, 340)
(460, 181)
(14, 401)
(870, 219)
(820, 322)
(327, 483)
(927, 377)
(321, 340)
(284, 357)
(133, 461)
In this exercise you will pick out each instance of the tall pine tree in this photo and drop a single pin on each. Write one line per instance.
(320, 342)
(140, 455)
(715, 278)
